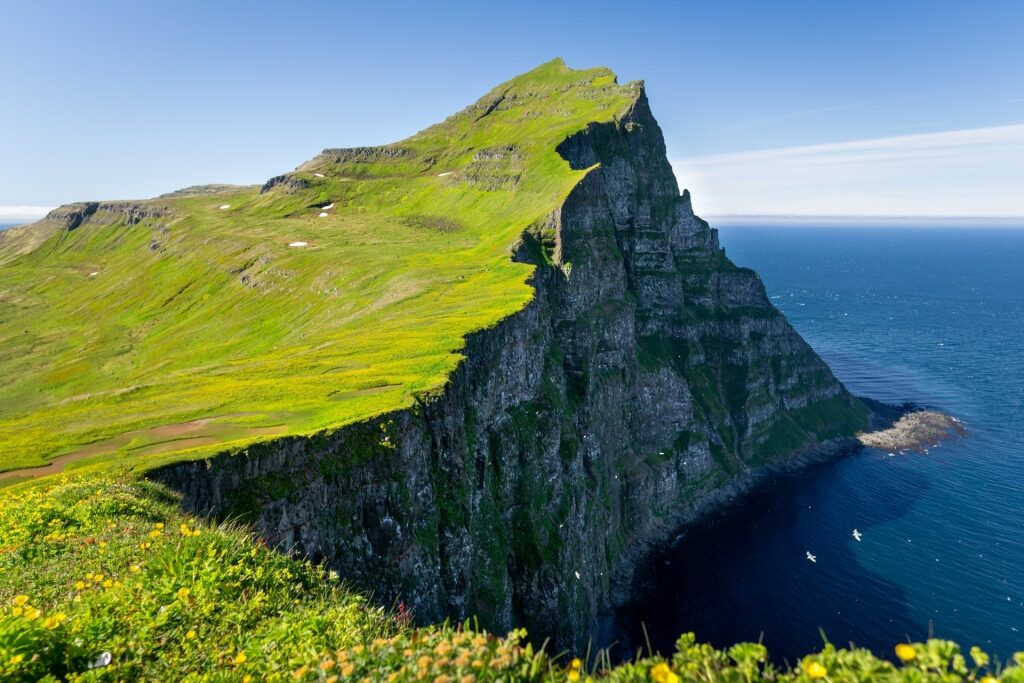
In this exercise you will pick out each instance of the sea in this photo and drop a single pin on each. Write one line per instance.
(933, 316)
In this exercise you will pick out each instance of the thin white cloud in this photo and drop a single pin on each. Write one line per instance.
(23, 214)
(974, 172)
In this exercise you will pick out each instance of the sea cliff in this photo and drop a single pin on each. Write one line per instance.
(648, 377)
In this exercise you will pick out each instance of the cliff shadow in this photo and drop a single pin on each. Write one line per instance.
(742, 574)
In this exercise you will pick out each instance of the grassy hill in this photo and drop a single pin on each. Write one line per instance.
(186, 324)
(104, 579)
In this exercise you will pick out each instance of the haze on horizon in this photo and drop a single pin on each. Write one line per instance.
(796, 109)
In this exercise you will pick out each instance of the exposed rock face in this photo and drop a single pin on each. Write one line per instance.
(68, 217)
(648, 376)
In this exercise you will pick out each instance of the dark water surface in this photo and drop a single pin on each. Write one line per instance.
(934, 316)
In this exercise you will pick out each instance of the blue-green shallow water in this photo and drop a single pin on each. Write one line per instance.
(934, 316)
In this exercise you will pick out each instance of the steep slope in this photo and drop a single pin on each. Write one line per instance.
(646, 377)
(173, 328)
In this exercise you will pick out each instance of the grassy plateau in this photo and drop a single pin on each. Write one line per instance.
(199, 329)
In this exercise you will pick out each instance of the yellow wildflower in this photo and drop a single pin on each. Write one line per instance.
(159, 525)
(816, 670)
(906, 652)
(154, 533)
(573, 675)
(183, 593)
(575, 664)
(55, 620)
(662, 674)
(31, 612)
(108, 583)
(20, 600)
(240, 658)
(18, 611)
(347, 670)
(16, 659)
(989, 679)
(191, 634)
(246, 678)
(80, 585)
(134, 569)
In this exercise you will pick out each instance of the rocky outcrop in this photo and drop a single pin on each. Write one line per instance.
(288, 180)
(648, 377)
(68, 217)
(72, 216)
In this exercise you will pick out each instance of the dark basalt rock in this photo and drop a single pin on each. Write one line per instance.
(647, 378)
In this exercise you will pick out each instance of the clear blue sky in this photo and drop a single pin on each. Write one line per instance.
(131, 99)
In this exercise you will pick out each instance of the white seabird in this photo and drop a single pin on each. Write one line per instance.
(856, 535)
(810, 557)
(329, 206)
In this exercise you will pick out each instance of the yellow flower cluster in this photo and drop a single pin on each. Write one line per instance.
(440, 657)
(22, 608)
(96, 581)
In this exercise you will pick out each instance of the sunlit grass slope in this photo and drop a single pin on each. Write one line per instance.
(196, 328)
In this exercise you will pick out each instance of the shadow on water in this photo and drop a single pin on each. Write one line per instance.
(743, 575)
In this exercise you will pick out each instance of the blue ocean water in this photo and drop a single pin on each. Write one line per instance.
(934, 316)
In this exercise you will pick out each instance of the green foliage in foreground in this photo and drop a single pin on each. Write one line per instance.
(197, 328)
(104, 579)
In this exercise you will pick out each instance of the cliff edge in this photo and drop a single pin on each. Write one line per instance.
(646, 376)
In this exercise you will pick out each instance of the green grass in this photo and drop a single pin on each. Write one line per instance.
(102, 567)
(208, 314)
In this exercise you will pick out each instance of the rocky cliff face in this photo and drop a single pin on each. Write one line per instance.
(648, 377)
